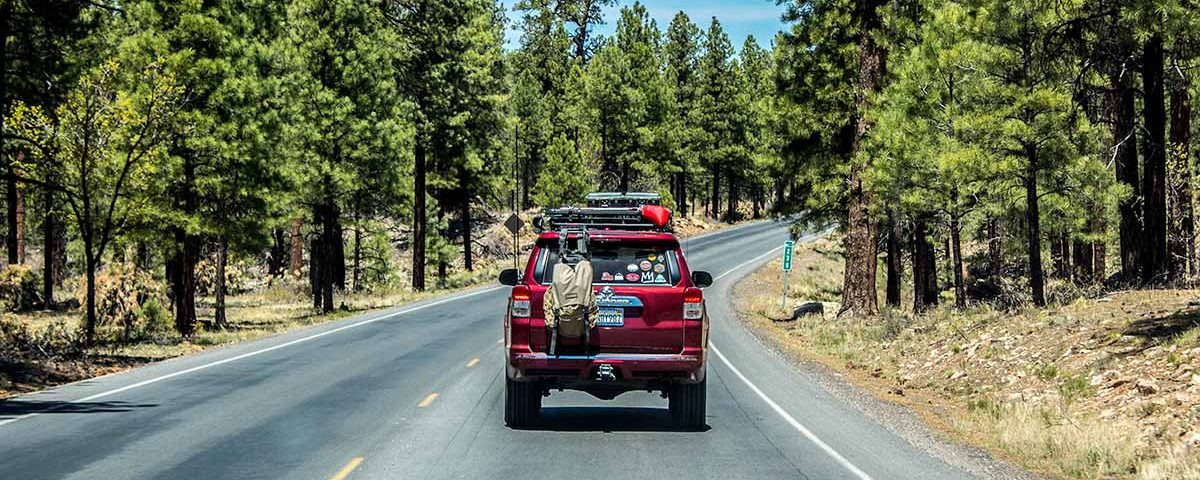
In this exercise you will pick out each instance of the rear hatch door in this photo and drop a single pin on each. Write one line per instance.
(640, 293)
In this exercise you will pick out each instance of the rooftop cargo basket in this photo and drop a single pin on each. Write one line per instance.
(609, 211)
(626, 199)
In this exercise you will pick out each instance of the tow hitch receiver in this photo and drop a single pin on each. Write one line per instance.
(605, 373)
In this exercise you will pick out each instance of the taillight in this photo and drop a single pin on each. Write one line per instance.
(693, 304)
(522, 301)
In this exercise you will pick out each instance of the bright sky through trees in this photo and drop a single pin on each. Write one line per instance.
(760, 18)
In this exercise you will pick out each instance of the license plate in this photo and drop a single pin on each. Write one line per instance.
(611, 318)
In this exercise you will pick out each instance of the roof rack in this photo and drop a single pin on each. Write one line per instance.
(595, 218)
(608, 211)
(623, 199)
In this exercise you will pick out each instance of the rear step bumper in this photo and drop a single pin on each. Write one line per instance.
(630, 367)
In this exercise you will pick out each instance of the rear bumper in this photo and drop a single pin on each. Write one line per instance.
(632, 368)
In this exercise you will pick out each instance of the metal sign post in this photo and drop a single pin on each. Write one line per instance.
(788, 246)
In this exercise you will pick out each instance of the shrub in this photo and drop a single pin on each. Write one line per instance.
(1074, 387)
(1065, 292)
(128, 298)
(155, 322)
(238, 277)
(18, 341)
(1012, 293)
(19, 289)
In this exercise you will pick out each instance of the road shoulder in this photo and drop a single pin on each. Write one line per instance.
(866, 397)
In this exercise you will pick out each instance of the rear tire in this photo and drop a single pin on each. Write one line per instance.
(522, 402)
(687, 404)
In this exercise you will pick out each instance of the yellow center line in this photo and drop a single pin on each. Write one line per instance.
(472, 362)
(428, 400)
(345, 471)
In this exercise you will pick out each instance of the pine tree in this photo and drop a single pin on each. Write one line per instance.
(341, 57)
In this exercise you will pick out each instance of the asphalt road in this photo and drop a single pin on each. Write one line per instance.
(417, 392)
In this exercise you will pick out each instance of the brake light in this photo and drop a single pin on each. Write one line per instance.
(522, 301)
(693, 304)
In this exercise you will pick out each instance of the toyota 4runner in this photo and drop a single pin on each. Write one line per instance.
(651, 330)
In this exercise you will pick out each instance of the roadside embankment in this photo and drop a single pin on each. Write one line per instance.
(1105, 387)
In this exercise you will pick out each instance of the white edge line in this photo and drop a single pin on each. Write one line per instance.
(791, 420)
(755, 259)
(775, 406)
(250, 354)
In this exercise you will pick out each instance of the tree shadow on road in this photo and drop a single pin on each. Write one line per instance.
(608, 420)
(16, 408)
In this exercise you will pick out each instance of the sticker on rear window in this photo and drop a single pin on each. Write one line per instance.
(632, 277)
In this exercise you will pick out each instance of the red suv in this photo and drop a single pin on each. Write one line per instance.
(652, 328)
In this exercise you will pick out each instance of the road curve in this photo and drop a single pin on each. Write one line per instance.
(417, 392)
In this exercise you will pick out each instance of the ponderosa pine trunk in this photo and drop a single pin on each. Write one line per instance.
(1125, 158)
(468, 258)
(995, 244)
(683, 191)
(1181, 242)
(277, 253)
(441, 263)
(925, 290)
(1082, 262)
(296, 258)
(960, 289)
(49, 275)
(337, 246)
(19, 208)
(780, 186)
(356, 278)
(418, 237)
(1154, 175)
(183, 283)
(858, 284)
(1060, 252)
(90, 319)
(625, 175)
(219, 289)
(315, 265)
(329, 265)
(1099, 248)
(895, 264)
(187, 252)
(731, 208)
(11, 198)
(716, 192)
(327, 252)
(1033, 230)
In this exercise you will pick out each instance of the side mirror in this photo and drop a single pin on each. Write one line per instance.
(510, 277)
(702, 279)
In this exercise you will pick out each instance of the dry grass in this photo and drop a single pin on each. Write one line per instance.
(1099, 388)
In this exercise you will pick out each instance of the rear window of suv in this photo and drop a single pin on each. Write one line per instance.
(619, 265)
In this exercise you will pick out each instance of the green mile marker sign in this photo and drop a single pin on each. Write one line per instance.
(788, 246)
